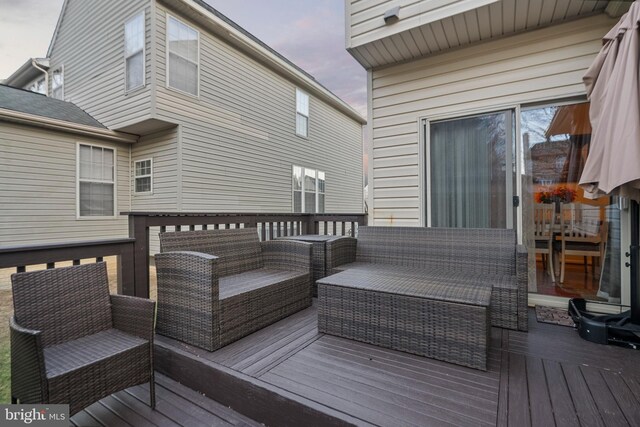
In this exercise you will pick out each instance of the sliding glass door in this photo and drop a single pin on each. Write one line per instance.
(470, 174)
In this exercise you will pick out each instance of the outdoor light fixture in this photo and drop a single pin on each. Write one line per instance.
(392, 16)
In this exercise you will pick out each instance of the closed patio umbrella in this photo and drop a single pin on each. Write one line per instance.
(613, 163)
(613, 88)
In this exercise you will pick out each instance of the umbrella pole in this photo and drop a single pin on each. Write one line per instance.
(634, 262)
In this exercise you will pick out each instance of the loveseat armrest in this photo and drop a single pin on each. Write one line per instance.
(340, 251)
(191, 274)
(522, 275)
(288, 255)
(134, 315)
(28, 374)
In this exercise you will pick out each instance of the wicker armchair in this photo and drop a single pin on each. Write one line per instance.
(73, 343)
(217, 286)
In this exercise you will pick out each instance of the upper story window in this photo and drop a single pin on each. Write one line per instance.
(183, 51)
(134, 51)
(96, 181)
(302, 113)
(57, 84)
(308, 190)
(38, 86)
(143, 176)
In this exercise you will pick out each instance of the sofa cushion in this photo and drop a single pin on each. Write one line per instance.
(248, 281)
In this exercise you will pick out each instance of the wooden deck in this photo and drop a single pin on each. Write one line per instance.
(548, 376)
(176, 405)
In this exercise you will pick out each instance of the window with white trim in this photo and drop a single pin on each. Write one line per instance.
(143, 178)
(308, 190)
(38, 86)
(57, 84)
(134, 51)
(302, 113)
(183, 56)
(96, 181)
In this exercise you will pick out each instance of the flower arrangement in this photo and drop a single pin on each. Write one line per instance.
(560, 194)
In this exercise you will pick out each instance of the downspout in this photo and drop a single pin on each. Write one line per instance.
(46, 75)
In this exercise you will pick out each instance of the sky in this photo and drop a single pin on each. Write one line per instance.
(310, 33)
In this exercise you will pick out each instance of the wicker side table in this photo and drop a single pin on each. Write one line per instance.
(406, 311)
(318, 254)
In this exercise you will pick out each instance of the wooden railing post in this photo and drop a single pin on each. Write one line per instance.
(139, 231)
(126, 272)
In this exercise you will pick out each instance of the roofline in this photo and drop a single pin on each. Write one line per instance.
(23, 71)
(61, 125)
(55, 31)
(266, 55)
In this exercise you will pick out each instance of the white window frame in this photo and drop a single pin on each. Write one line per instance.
(167, 52)
(150, 176)
(301, 113)
(35, 82)
(61, 70)
(303, 190)
(144, 52)
(114, 182)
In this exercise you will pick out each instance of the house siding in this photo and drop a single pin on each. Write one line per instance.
(38, 191)
(237, 140)
(90, 47)
(541, 65)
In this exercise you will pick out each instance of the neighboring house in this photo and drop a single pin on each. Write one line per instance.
(222, 122)
(51, 153)
(455, 87)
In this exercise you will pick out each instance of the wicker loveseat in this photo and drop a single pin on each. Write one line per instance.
(483, 256)
(217, 286)
(72, 342)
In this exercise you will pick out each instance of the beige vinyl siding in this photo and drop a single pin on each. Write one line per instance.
(90, 47)
(237, 139)
(38, 191)
(541, 65)
(162, 148)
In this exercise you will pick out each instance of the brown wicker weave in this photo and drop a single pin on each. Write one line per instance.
(319, 255)
(72, 342)
(217, 286)
(399, 309)
(483, 255)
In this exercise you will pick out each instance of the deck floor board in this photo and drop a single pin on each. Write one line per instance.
(545, 377)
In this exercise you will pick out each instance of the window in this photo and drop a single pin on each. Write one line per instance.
(183, 67)
(308, 190)
(134, 51)
(143, 176)
(57, 84)
(96, 181)
(38, 86)
(302, 113)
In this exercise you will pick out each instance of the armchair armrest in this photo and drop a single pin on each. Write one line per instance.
(341, 250)
(287, 255)
(522, 275)
(192, 274)
(134, 315)
(28, 374)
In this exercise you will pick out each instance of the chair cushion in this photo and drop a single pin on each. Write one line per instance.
(72, 355)
(251, 280)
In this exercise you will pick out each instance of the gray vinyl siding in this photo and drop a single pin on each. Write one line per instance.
(90, 47)
(38, 191)
(162, 148)
(541, 65)
(238, 141)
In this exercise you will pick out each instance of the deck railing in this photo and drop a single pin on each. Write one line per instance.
(133, 253)
(19, 257)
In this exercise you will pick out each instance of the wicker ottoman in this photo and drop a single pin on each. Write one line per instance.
(405, 311)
